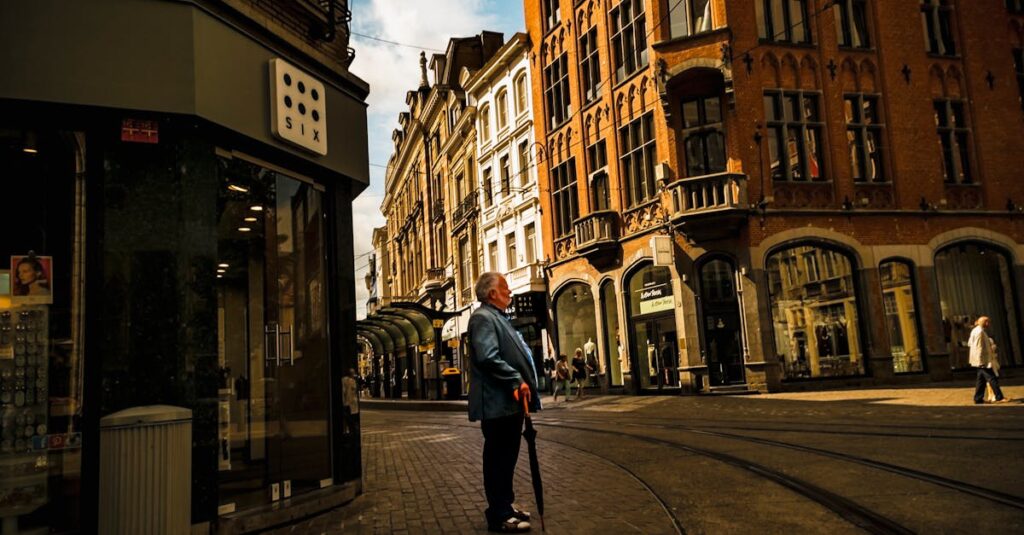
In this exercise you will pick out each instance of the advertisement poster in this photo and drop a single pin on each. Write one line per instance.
(31, 280)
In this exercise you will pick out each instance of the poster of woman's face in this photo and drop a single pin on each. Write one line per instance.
(31, 278)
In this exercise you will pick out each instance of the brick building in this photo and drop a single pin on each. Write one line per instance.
(768, 194)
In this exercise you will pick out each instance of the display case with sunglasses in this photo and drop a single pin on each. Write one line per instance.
(24, 343)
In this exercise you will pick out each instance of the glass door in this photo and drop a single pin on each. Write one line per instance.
(721, 321)
(273, 353)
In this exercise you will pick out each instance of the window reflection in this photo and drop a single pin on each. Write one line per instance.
(814, 313)
(900, 316)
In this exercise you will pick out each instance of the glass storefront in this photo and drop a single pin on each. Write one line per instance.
(653, 321)
(814, 312)
(41, 329)
(577, 325)
(975, 280)
(901, 316)
(723, 351)
(616, 361)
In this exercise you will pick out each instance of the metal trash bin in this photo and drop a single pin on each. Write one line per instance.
(146, 471)
(453, 382)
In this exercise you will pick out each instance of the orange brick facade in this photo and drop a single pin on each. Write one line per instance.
(910, 212)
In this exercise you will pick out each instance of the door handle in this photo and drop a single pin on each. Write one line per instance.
(291, 343)
(272, 330)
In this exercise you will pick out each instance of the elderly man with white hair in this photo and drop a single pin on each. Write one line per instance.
(982, 357)
(502, 373)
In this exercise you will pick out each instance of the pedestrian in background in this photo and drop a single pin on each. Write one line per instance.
(562, 375)
(982, 356)
(579, 372)
(502, 374)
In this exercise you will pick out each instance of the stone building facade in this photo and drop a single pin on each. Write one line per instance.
(779, 195)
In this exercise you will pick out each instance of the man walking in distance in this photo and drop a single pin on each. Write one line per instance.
(502, 375)
(981, 357)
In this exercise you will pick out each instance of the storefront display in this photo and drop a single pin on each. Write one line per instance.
(653, 337)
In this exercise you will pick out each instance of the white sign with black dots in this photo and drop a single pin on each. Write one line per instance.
(298, 107)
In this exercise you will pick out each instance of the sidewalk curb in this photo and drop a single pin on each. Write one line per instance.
(414, 405)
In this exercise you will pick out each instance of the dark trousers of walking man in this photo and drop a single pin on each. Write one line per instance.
(986, 375)
(501, 451)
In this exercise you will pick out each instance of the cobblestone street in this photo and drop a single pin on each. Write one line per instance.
(614, 464)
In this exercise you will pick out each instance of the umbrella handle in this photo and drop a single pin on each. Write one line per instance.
(526, 407)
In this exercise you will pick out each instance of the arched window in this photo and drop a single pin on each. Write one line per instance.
(574, 312)
(901, 315)
(501, 102)
(520, 88)
(485, 123)
(975, 280)
(814, 312)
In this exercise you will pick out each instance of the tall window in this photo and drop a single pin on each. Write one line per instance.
(629, 37)
(501, 102)
(597, 169)
(954, 139)
(703, 136)
(511, 256)
(814, 317)
(552, 15)
(563, 197)
(937, 19)
(590, 65)
(492, 256)
(1018, 63)
(794, 135)
(864, 133)
(488, 188)
(485, 124)
(465, 271)
(524, 163)
(637, 161)
(556, 91)
(506, 179)
(782, 21)
(852, 23)
(900, 316)
(530, 243)
(689, 17)
(521, 94)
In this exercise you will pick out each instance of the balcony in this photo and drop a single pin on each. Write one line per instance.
(437, 277)
(597, 236)
(464, 210)
(525, 275)
(709, 207)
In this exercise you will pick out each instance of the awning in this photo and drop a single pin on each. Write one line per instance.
(419, 320)
(397, 336)
(403, 324)
(371, 339)
(385, 339)
(408, 330)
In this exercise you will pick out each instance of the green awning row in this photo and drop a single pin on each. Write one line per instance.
(401, 325)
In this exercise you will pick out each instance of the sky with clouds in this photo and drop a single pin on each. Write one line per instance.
(391, 70)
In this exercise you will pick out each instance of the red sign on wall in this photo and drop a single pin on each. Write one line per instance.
(140, 131)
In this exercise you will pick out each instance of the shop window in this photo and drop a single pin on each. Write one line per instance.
(976, 280)
(794, 135)
(901, 316)
(689, 17)
(42, 314)
(782, 21)
(703, 136)
(629, 38)
(556, 91)
(937, 19)
(814, 318)
(617, 359)
(864, 134)
(852, 23)
(563, 198)
(636, 140)
(954, 141)
(576, 322)
(653, 327)
(590, 65)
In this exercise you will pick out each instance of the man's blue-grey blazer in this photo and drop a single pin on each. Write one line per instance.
(500, 361)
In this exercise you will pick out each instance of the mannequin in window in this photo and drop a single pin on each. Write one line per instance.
(623, 356)
(590, 353)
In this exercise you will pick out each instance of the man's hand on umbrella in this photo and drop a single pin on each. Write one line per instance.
(523, 392)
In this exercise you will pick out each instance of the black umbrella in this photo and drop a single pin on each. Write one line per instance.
(530, 434)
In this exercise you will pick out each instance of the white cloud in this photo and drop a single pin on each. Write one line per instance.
(392, 70)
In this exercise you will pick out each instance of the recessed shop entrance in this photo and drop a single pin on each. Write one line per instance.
(721, 325)
(274, 396)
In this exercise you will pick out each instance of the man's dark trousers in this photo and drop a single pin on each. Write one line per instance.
(502, 437)
(985, 375)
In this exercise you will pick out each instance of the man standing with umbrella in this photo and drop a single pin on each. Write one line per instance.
(502, 381)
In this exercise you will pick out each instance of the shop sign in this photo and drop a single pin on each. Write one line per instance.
(140, 131)
(656, 297)
(454, 342)
(298, 107)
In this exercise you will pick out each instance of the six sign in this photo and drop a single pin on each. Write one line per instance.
(298, 107)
